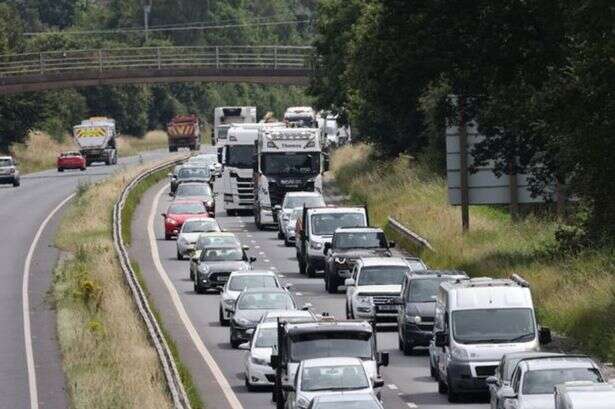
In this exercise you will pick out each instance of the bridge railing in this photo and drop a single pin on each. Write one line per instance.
(155, 58)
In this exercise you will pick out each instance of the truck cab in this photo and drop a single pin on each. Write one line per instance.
(315, 229)
(288, 160)
(298, 341)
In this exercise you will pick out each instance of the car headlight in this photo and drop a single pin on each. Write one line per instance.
(171, 221)
(302, 402)
(286, 217)
(259, 361)
(363, 300)
(315, 245)
(340, 260)
(209, 203)
(243, 322)
(414, 319)
(459, 354)
(229, 301)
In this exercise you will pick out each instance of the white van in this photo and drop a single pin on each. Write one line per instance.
(585, 395)
(476, 322)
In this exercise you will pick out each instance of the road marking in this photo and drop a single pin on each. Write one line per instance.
(181, 311)
(248, 235)
(262, 253)
(267, 261)
(257, 247)
(392, 386)
(299, 294)
(412, 405)
(25, 299)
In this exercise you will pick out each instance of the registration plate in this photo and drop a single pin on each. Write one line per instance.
(387, 307)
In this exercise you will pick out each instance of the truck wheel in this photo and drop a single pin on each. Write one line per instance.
(432, 371)
(453, 395)
(311, 271)
(301, 267)
(230, 212)
(331, 283)
(280, 235)
(60, 169)
(442, 387)
(406, 347)
(16, 183)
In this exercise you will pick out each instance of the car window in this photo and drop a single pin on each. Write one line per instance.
(359, 240)
(241, 282)
(6, 162)
(201, 189)
(323, 378)
(266, 338)
(292, 202)
(352, 404)
(210, 241)
(424, 289)
(187, 208)
(515, 380)
(382, 275)
(542, 382)
(187, 173)
(200, 226)
(334, 344)
(222, 254)
(265, 301)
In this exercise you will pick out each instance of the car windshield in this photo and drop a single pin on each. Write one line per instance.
(424, 289)
(291, 163)
(200, 226)
(364, 240)
(222, 254)
(383, 275)
(241, 282)
(352, 404)
(211, 241)
(6, 162)
(493, 325)
(186, 208)
(193, 173)
(241, 156)
(265, 301)
(202, 189)
(542, 382)
(326, 223)
(327, 378)
(266, 338)
(331, 344)
(292, 202)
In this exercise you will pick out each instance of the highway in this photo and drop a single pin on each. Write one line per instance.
(192, 319)
(23, 214)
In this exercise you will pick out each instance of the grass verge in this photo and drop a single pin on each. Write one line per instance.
(106, 354)
(575, 294)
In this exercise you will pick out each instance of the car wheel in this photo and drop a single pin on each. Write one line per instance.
(60, 169)
(235, 344)
(280, 235)
(407, 348)
(191, 275)
(167, 236)
(16, 183)
(442, 387)
(453, 395)
(179, 255)
(198, 289)
(311, 271)
(83, 169)
(230, 212)
(331, 284)
(286, 242)
(223, 322)
(432, 370)
(249, 386)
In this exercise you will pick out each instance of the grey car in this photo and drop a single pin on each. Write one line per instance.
(250, 307)
(9, 174)
(216, 265)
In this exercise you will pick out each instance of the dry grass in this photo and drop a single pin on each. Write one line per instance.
(575, 294)
(40, 151)
(107, 357)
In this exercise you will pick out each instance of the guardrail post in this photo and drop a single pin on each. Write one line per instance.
(158, 57)
(217, 57)
(275, 58)
(42, 63)
(100, 60)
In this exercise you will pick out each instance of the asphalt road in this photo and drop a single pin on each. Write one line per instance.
(192, 319)
(22, 210)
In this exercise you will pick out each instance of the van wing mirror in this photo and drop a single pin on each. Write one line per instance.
(441, 339)
(326, 248)
(274, 361)
(544, 336)
(378, 382)
(391, 244)
(491, 380)
(383, 359)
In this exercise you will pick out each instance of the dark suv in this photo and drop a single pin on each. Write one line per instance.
(348, 245)
(418, 306)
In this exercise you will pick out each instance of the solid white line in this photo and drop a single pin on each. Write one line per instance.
(25, 299)
(181, 311)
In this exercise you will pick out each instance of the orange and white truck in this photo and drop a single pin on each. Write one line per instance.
(184, 132)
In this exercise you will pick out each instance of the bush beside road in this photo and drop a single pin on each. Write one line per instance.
(575, 293)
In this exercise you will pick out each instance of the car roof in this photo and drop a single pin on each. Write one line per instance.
(429, 273)
(358, 230)
(253, 273)
(325, 210)
(556, 362)
(331, 361)
(382, 261)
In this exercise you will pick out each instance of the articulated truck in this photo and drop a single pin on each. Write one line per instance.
(184, 132)
(96, 140)
(224, 117)
(288, 160)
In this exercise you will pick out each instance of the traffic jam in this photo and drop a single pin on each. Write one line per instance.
(480, 336)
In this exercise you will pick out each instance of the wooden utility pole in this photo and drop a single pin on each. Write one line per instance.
(463, 166)
(513, 189)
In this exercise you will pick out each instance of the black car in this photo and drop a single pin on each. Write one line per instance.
(250, 307)
(187, 174)
(347, 246)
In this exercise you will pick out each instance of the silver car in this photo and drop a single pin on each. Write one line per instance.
(9, 174)
(323, 376)
(257, 362)
(293, 200)
(190, 232)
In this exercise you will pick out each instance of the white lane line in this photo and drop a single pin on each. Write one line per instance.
(267, 261)
(257, 247)
(248, 235)
(181, 311)
(412, 405)
(392, 386)
(25, 299)
(262, 253)
(299, 294)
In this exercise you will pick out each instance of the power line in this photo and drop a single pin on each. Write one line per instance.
(192, 26)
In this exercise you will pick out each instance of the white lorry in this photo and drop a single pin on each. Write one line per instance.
(224, 117)
(96, 140)
(288, 160)
(238, 160)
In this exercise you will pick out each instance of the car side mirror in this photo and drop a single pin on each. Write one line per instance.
(246, 248)
(397, 301)
(274, 360)
(288, 285)
(169, 174)
(307, 306)
(491, 380)
(326, 248)
(349, 282)
(391, 244)
(245, 346)
(163, 214)
(507, 393)
(277, 208)
(544, 336)
(383, 359)
(441, 339)
(252, 259)
(171, 194)
(378, 382)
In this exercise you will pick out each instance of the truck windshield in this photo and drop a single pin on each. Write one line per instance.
(304, 163)
(326, 223)
(385, 275)
(240, 156)
(326, 344)
(424, 289)
(542, 382)
(364, 240)
(333, 378)
(492, 326)
(301, 121)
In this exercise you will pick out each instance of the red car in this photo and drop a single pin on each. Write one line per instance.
(178, 212)
(71, 160)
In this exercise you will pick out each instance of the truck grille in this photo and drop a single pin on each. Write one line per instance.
(485, 371)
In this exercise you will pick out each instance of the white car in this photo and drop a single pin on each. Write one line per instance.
(190, 232)
(290, 223)
(323, 376)
(293, 200)
(239, 281)
(374, 284)
(258, 370)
